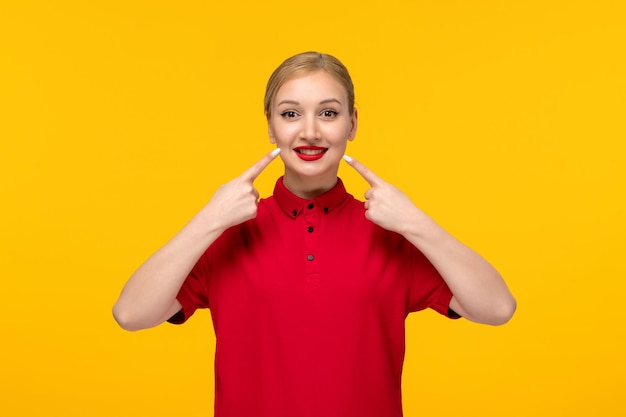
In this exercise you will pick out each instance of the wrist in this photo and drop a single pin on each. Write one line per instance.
(207, 222)
(419, 226)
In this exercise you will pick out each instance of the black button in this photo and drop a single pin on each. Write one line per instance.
(325, 209)
(311, 205)
(310, 257)
(309, 229)
(294, 213)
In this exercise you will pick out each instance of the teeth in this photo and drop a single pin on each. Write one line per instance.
(310, 151)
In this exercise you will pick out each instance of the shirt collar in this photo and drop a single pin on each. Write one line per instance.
(293, 205)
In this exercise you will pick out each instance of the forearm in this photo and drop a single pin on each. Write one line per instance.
(480, 293)
(149, 296)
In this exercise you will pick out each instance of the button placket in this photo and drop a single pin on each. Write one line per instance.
(312, 218)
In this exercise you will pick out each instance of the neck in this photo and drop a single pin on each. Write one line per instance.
(309, 188)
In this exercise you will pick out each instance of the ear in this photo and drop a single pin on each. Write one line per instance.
(354, 125)
(270, 133)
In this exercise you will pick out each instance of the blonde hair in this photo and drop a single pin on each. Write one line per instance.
(303, 63)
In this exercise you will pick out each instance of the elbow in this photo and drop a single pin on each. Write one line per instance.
(496, 314)
(124, 319)
(504, 312)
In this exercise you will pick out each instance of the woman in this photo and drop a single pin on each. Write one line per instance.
(309, 288)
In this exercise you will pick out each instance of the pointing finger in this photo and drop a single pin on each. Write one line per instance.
(251, 173)
(365, 172)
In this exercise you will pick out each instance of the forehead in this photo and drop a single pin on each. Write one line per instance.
(312, 85)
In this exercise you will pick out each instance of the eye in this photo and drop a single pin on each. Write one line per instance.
(329, 114)
(289, 114)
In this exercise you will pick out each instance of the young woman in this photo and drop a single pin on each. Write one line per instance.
(309, 288)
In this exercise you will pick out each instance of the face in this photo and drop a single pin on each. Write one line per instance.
(311, 123)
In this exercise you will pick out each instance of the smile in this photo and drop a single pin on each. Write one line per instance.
(310, 153)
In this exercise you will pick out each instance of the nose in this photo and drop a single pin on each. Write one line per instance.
(310, 129)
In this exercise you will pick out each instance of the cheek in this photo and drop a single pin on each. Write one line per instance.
(284, 133)
(339, 134)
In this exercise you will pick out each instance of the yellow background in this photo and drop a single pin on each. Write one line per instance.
(502, 120)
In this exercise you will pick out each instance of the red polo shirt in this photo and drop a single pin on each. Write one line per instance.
(308, 302)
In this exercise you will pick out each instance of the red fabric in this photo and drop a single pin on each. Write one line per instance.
(308, 303)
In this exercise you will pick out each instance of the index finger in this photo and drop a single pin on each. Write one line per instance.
(369, 176)
(256, 169)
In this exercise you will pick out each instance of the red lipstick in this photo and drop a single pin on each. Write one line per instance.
(310, 153)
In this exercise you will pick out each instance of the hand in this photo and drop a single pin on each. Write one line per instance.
(236, 201)
(480, 293)
(385, 205)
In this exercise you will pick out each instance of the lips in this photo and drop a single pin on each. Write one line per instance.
(310, 153)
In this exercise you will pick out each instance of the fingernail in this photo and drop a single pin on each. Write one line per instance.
(347, 158)
(275, 151)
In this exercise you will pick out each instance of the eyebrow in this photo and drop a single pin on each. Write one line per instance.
(328, 100)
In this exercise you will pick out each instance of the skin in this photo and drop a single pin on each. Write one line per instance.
(311, 110)
(479, 292)
(149, 296)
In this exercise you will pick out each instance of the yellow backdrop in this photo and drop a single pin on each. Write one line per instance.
(502, 120)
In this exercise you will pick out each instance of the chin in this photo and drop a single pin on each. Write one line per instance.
(312, 172)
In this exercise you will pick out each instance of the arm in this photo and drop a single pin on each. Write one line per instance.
(479, 292)
(149, 296)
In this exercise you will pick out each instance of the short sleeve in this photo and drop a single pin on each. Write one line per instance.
(194, 292)
(427, 287)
